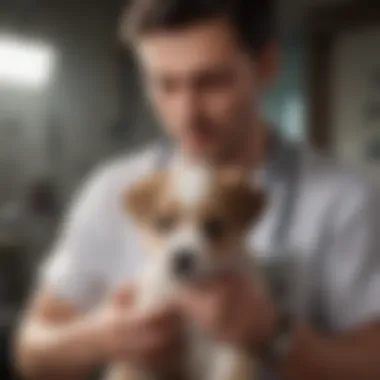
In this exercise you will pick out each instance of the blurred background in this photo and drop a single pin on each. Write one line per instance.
(70, 98)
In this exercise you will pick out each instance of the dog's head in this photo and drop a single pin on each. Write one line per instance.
(194, 219)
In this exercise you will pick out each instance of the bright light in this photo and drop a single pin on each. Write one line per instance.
(25, 63)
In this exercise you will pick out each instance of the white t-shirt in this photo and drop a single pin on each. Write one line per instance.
(334, 235)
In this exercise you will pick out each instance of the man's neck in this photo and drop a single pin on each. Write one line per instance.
(251, 151)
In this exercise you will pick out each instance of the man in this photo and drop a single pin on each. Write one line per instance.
(206, 65)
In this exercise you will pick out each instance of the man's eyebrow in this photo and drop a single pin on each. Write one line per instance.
(200, 70)
(218, 67)
(215, 72)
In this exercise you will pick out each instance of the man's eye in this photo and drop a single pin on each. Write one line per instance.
(166, 85)
(165, 224)
(215, 80)
(213, 228)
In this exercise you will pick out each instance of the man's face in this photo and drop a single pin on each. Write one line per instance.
(203, 86)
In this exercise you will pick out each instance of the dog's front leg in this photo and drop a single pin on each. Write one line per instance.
(230, 363)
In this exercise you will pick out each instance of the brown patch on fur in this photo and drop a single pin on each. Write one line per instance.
(140, 199)
(168, 207)
(242, 202)
(231, 194)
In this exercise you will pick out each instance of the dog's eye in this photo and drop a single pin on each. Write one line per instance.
(213, 228)
(164, 223)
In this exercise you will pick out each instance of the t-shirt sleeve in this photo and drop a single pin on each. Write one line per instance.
(73, 270)
(352, 265)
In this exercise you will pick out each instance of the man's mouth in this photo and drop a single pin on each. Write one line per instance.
(201, 137)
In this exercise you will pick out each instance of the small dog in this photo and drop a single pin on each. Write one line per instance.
(194, 221)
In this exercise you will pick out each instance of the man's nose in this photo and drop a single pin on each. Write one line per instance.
(188, 107)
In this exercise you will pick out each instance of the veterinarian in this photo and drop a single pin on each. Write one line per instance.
(206, 65)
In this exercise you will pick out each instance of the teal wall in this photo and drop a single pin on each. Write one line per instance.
(285, 105)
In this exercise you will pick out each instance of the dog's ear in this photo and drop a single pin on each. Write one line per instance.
(246, 202)
(140, 199)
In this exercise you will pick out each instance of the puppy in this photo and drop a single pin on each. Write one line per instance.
(193, 221)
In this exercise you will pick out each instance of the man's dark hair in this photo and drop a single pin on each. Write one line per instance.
(252, 20)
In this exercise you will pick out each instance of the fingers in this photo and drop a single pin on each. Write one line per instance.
(150, 349)
(155, 357)
(144, 336)
(149, 337)
(124, 296)
(211, 302)
(166, 319)
(229, 307)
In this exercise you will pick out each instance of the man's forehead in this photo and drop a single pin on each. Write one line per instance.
(188, 49)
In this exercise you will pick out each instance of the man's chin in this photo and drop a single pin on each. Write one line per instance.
(200, 151)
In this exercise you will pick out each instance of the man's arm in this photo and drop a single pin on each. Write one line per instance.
(352, 356)
(55, 342)
(54, 339)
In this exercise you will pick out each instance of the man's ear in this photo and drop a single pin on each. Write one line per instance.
(246, 202)
(141, 198)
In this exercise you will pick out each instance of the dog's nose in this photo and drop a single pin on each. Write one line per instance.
(184, 263)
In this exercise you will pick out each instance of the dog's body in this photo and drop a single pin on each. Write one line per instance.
(200, 219)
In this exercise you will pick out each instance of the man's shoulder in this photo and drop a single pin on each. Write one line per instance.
(127, 168)
(135, 162)
(109, 180)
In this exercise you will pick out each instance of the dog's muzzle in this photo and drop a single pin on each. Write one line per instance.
(185, 263)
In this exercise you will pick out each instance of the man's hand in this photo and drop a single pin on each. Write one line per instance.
(232, 309)
(302, 360)
(147, 342)
(55, 341)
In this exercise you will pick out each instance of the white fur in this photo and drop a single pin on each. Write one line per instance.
(157, 287)
(225, 359)
(191, 184)
(187, 236)
(158, 284)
